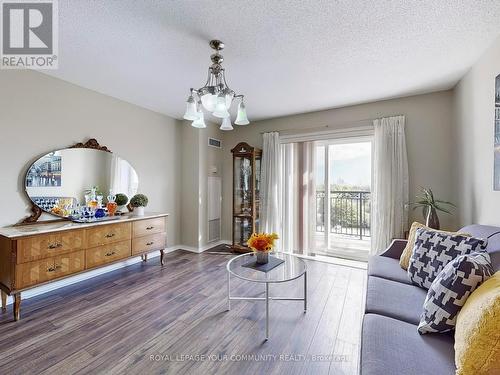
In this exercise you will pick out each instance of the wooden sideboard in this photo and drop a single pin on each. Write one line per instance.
(33, 255)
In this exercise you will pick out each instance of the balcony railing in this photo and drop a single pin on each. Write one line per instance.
(349, 213)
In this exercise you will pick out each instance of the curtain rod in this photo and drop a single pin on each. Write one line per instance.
(319, 128)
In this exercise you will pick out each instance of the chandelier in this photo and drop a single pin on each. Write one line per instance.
(215, 96)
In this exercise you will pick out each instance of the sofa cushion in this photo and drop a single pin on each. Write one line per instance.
(393, 347)
(395, 300)
(481, 231)
(387, 268)
(434, 250)
(493, 236)
(493, 249)
(450, 289)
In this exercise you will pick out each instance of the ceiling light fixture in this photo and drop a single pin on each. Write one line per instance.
(215, 96)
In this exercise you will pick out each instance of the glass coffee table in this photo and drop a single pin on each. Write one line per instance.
(292, 268)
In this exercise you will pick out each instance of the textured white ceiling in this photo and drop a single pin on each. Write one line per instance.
(285, 56)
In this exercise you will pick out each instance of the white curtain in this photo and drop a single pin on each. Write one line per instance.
(270, 207)
(308, 194)
(298, 197)
(289, 198)
(390, 182)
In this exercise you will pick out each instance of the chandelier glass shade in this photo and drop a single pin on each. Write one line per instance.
(199, 122)
(215, 96)
(191, 112)
(226, 124)
(241, 118)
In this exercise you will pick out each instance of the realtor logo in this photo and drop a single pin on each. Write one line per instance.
(29, 34)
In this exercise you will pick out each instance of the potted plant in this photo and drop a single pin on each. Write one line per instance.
(138, 202)
(262, 244)
(121, 201)
(430, 206)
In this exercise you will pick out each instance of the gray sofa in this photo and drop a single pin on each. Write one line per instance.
(390, 341)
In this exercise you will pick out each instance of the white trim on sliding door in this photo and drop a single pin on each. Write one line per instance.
(328, 194)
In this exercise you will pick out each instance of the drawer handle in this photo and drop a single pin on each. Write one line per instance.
(109, 254)
(51, 269)
(149, 243)
(109, 235)
(55, 245)
(149, 228)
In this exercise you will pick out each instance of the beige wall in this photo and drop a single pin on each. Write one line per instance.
(428, 130)
(190, 185)
(474, 130)
(197, 159)
(39, 113)
(210, 157)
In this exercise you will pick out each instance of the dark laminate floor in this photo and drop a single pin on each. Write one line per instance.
(144, 319)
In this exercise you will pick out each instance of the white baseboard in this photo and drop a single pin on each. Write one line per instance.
(204, 248)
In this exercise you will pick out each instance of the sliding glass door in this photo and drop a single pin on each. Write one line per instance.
(326, 197)
(343, 170)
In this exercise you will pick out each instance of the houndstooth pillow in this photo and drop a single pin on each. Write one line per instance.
(434, 250)
(450, 290)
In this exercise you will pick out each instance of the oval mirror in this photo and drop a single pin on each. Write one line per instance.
(78, 183)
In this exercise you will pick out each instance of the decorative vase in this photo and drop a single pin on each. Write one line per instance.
(99, 213)
(432, 219)
(139, 211)
(262, 257)
(111, 206)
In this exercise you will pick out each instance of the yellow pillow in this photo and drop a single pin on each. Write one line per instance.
(477, 333)
(404, 260)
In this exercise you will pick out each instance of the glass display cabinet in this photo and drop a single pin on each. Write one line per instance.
(246, 189)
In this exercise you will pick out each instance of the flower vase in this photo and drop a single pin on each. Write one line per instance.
(139, 211)
(262, 257)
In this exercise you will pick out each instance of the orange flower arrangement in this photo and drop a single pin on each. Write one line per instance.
(263, 242)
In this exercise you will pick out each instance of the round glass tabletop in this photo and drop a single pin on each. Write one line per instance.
(292, 268)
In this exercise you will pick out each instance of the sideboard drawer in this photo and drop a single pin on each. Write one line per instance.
(148, 226)
(49, 245)
(69, 263)
(34, 273)
(38, 272)
(105, 234)
(107, 253)
(144, 244)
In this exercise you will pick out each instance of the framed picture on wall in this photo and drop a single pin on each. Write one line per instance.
(496, 174)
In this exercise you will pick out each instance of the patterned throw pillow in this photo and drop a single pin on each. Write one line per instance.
(434, 250)
(404, 259)
(451, 288)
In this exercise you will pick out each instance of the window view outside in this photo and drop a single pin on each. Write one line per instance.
(343, 210)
